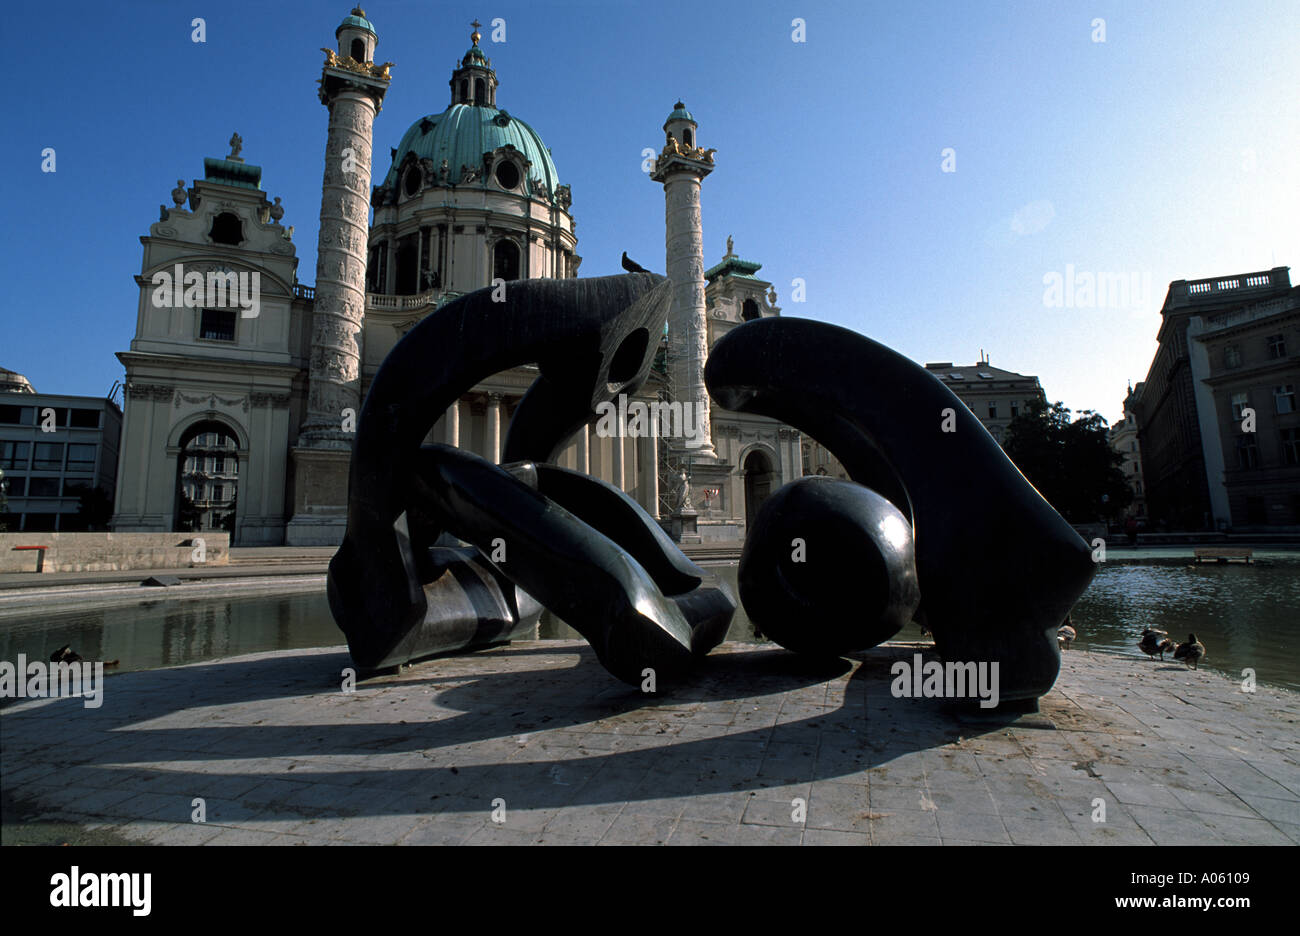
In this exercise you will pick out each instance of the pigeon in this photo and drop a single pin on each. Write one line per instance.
(631, 265)
(1065, 635)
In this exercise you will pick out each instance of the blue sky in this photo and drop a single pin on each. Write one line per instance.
(1169, 151)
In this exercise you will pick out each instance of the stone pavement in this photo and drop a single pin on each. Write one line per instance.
(539, 733)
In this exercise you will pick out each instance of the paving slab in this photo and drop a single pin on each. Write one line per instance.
(536, 744)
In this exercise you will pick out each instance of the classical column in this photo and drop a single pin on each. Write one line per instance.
(353, 95)
(340, 304)
(493, 434)
(584, 450)
(680, 168)
(616, 461)
(650, 461)
(453, 424)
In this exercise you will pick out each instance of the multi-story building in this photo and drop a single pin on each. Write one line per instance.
(1124, 440)
(994, 395)
(53, 449)
(1246, 364)
(1174, 412)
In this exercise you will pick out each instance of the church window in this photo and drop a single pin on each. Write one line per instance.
(749, 310)
(505, 260)
(217, 325)
(686, 136)
(479, 96)
(411, 184)
(507, 174)
(226, 229)
(464, 90)
(359, 50)
(407, 258)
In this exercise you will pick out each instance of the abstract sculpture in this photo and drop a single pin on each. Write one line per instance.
(996, 567)
(537, 532)
(936, 523)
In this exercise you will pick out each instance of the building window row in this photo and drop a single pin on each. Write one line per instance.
(1276, 345)
(1248, 449)
(48, 456)
(1284, 401)
(64, 417)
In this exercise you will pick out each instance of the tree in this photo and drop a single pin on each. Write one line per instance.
(187, 515)
(95, 506)
(1070, 462)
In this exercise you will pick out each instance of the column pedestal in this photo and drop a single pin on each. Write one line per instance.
(320, 496)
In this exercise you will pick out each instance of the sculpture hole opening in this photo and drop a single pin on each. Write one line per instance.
(626, 362)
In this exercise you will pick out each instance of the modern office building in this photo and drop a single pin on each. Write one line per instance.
(53, 449)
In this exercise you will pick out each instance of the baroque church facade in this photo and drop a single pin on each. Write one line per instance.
(239, 409)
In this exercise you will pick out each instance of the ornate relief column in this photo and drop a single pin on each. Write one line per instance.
(353, 91)
(680, 168)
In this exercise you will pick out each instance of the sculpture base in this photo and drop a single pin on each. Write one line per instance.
(684, 527)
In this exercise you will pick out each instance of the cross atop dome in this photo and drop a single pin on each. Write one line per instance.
(474, 82)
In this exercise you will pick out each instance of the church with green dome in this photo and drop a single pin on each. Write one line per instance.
(472, 195)
(242, 420)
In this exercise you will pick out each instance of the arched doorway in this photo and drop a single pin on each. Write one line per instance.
(207, 481)
(759, 480)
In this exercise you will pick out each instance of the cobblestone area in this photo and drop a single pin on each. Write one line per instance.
(539, 736)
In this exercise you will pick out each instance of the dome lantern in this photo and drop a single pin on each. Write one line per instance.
(357, 38)
(681, 126)
(474, 82)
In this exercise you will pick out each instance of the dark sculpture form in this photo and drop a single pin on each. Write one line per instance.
(538, 533)
(997, 568)
(935, 516)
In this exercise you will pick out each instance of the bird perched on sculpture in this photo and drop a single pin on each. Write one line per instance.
(631, 265)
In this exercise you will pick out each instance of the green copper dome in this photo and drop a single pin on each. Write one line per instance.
(463, 133)
(679, 113)
(357, 19)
